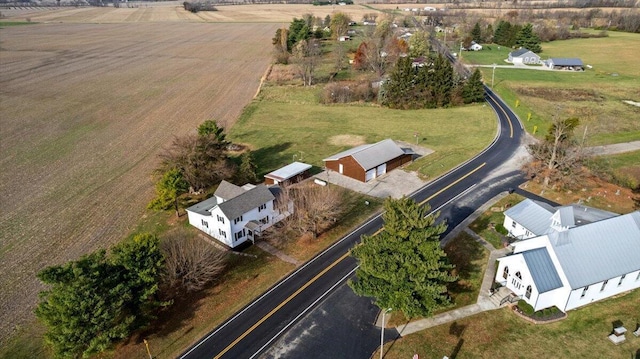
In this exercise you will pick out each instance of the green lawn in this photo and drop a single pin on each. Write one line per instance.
(484, 225)
(501, 334)
(594, 96)
(624, 168)
(286, 121)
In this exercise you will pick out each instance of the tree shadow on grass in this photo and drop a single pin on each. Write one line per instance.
(463, 252)
(272, 157)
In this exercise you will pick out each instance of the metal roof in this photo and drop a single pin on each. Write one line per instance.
(598, 251)
(558, 61)
(564, 215)
(239, 205)
(372, 155)
(227, 190)
(532, 215)
(542, 269)
(288, 171)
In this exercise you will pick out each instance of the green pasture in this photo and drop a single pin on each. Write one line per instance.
(595, 96)
(287, 123)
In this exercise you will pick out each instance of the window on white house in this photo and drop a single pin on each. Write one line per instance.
(584, 291)
(527, 233)
(621, 279)
(513, 224)
(638, 277)
(505, 272)
(262, 207)
(528, 292)
(220, 219)
(519, 275)
(222, 233)
(239, 219)
(604, 284)
(264, 220)
(205, 223)
(239, 234)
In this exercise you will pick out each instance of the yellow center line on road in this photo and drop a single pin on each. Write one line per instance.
(507, 116)
(280, 306)
(452, 184)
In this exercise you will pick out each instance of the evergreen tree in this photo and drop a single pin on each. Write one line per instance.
(473, 89)
(528, 39)
(168, 189)
(476, 33)
(247, 171)
(210, 128)
(96, 301)
(298, 30)
(398, 90)
(403, 267)
(442, 81)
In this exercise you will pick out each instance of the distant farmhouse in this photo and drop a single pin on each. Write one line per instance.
(367, 162)
(569, 256)
(573, 64)
(523, 56)
(237, 214)
(474, 46)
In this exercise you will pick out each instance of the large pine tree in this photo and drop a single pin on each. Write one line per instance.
(403, 267)
(473, 90)
(528, 39)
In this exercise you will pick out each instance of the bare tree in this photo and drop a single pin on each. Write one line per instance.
(316, 208)
(190, 263)
(306, 56)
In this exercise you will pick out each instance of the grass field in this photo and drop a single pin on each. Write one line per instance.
(501, 334)
(484, 225)
(594, 96)
(287, 120)
(85, 110)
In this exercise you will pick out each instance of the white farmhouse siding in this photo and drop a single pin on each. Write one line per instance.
(523, 56)
(236, 214)
(583, 255)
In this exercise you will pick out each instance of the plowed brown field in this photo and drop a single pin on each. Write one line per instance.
(84, 110)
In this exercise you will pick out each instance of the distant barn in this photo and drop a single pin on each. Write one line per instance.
(289, 174)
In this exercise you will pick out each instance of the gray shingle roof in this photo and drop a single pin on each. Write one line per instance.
(227, 190)
(534, 216)
(373, 155)
(239, 205)
(521, 51)
(558, 61)
(542, 269)
(288, 171)
(601, 250)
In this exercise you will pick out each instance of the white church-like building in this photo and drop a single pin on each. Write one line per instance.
(569, 256)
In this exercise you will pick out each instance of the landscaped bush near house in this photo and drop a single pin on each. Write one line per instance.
(500, 229)
(525, 307)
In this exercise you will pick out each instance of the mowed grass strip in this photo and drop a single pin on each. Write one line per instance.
(502, 334)
(595, 96)
(287, 121)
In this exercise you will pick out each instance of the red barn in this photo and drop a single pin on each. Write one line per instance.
(367, 162)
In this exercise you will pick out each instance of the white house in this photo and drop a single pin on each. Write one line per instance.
(475, 46)
(236, 214)
(570, 256)
(523, 56)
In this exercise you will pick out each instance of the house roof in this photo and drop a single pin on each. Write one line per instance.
(542, 270)
(245, 202)
(600, 250)
(227, 190)
(288, 171)
(371, 155)
(557, 61)
(532, 215)
(519, 52)
(237, 205)
(564, 215)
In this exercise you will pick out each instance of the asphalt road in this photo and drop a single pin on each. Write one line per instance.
(254, 329)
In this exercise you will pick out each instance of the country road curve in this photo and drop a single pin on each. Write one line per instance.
(254, 329)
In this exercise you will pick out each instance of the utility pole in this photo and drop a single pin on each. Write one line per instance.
(382, 332)
(493, 75)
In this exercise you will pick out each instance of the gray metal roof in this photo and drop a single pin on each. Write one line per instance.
(534, 216)
(288, 171)
(584, 214)
(558, 61)
(565, 216)
(601, 250)
(372, 155)
(542, 269)
(239, 205)
(521, 51)
(227, 190)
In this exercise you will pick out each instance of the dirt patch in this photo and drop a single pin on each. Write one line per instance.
(553, 94)
(85, 110)
(282, 74)
(347, 140)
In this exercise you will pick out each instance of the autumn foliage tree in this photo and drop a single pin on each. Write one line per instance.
(403, 266)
